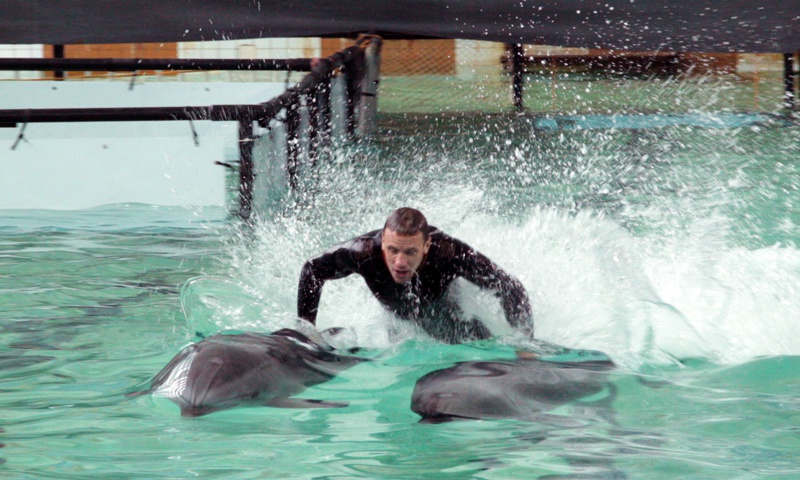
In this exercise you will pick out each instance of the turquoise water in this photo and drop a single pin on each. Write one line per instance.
(674, 250)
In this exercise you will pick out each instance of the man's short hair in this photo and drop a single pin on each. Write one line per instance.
(408, 222)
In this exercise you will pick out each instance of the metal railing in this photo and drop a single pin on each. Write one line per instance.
(359, 63)
(520, 64)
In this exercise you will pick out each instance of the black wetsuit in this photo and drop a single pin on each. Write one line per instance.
(422, 299)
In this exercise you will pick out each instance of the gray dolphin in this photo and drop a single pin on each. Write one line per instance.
(520, 389)
(229, 370)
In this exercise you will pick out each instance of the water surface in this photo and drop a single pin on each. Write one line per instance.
(671, 249)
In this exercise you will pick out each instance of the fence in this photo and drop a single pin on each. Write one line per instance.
(309, 104)
(472, 76)
(446, 75)
(281, 139)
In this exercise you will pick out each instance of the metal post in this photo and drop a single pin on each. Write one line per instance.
(292, 142)
(58, 52)
(246, 172)
(325, 125)
(368, 105)
(788, 81)
(312, 103)
(518, 69)
(354, 70)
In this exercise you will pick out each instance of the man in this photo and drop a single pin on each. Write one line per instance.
(409, 267)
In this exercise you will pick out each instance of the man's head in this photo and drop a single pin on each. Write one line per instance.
(405, 243)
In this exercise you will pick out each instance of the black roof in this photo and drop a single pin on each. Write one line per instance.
(640, 25)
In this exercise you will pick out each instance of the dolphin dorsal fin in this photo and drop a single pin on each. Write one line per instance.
(202, 384)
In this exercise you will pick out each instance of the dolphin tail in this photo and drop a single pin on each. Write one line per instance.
(286, 402)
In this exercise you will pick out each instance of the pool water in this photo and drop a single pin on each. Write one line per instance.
(673, 250)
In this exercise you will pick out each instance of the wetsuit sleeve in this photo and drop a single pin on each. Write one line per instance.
(478, 269)
(337, 262)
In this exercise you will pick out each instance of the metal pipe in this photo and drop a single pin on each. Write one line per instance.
(352, 97)
(788, 81)
(292, 143)
(58, 52)
(370, 79)
(321, 70)
(325, 120)
(262, 112)
(312, 104)
(619, 62)
(246, 170)
(133, 64)
(518, 71)
(132, 114)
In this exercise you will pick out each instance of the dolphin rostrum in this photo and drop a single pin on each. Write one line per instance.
(229, 370)
(521, 389)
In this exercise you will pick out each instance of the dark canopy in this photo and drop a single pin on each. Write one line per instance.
(644, 25)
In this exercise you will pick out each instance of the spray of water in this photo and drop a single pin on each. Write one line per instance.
(651, 245)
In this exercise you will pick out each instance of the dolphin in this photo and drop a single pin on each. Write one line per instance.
(229, 370)
(522, 389)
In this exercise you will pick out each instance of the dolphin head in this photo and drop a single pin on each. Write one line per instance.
(227, 370)
(521, 389)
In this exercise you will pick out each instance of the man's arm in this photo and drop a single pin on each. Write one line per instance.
(336, 263)
(478, 269)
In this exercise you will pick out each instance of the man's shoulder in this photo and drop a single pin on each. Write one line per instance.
(444, 246)
(360, 245)
(365, 246)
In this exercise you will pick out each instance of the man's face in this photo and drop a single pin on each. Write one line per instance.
(403, 254)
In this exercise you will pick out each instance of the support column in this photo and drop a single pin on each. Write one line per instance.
(325, 121)
(292, 143)
(788, 81)
(518, 70)
(354, 70)
(314, 135)
(246, 171)
(368, 105)
(58, 52)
